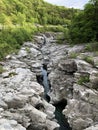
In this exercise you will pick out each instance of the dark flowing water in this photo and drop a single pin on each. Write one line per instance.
(59, 106)
(60, 117)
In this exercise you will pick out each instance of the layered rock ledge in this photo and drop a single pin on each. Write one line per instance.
(71, 75)
(22, 105)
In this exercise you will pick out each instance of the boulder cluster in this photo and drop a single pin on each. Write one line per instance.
(22, 106)
(73, 76)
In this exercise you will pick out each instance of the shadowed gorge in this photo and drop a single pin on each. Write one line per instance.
(60, 106)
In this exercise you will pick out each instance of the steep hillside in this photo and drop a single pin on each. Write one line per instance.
(33, 11)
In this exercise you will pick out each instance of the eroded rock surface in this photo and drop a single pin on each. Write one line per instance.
(72, 78)
(21, 94)
(10, 125)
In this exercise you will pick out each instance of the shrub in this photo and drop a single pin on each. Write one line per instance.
(11, 39)
(73, 55)
(60, 38)
(57, 28)
(5, 49)
(92, 47)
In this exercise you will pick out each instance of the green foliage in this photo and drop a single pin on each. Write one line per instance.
(56, 28)
(73, 55)
(89, 59)
(60, 38)
(83, 79)
(84, 26)
(4, 50)
(33, 11)
(92, 47)
(11, 39)
(1, 69)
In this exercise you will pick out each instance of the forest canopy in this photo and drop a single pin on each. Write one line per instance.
(19, 12)
(84, 25)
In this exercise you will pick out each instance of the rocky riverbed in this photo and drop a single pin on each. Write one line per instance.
(72, 77)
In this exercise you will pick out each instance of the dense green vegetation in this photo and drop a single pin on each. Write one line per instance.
(20, 19)
(84, 26)
(19, 12)
(11, 39)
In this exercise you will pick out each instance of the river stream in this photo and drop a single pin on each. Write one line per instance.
(59, 106)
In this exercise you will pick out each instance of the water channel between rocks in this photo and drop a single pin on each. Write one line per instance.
(43, 80)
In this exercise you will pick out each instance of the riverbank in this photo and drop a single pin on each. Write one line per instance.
(71, 76)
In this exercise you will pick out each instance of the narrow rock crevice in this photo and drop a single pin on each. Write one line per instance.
(59, 106)
(43, 80)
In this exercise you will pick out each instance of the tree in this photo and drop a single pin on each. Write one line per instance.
(84, 26)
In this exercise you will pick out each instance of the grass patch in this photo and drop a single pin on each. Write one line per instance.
(73, 55)
(83, 79)
(1, 69)
(89, 59)
(93, 47)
